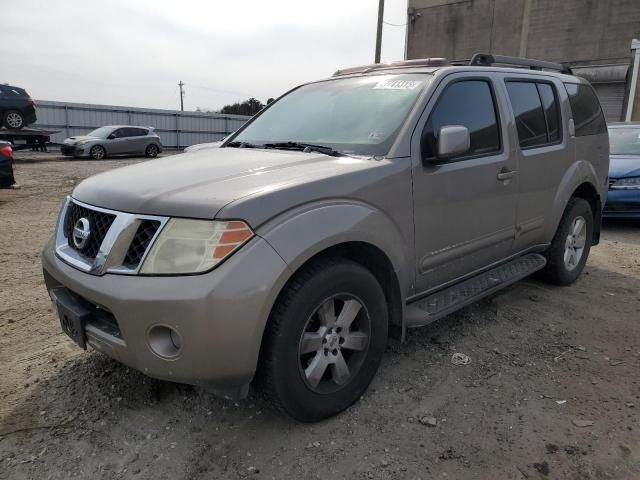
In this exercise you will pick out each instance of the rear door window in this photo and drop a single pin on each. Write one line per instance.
(469, 103)
(138, 132)
(551, 111)
(529, 114)
(535, 108)
(585, 107)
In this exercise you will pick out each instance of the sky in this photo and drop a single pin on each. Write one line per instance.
(133, 53)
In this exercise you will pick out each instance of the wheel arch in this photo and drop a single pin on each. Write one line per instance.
(579, 181)
(370, 257)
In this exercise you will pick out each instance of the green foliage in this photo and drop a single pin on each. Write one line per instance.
(248, 107)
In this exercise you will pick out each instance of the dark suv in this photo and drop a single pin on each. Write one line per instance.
(17, 108)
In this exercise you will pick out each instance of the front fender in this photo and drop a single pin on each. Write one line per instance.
(307, 230)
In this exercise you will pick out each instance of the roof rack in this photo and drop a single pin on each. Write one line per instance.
(487, 59)
(420, 62)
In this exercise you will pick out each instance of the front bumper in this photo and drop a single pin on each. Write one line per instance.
(73, 150)
(220, 316)
(622, 203)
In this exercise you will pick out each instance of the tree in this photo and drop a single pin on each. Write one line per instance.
(248, 107)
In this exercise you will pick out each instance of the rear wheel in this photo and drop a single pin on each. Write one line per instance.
(571, 244)
(152, 151)
(97, 152)
(13, 119)
(325, 340)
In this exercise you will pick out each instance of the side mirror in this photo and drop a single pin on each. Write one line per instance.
(453, 140)
(111, 136)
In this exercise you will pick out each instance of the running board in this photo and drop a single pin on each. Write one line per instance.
(437, 305)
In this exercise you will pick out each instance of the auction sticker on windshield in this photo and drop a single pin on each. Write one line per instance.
(397, 84)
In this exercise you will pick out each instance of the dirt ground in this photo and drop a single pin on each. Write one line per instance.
(551, 392)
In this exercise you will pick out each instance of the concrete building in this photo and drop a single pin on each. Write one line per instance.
(593, 36)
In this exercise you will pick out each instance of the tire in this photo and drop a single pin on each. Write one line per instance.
(97, 152)
(571, 244)
(152, 150)
(13, 120)
(299, 343)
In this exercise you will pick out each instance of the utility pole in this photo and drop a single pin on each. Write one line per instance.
(379, 32)
(180, 84)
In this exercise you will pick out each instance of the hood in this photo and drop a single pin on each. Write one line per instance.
(79, 138)
(199, 184)
(624, 166)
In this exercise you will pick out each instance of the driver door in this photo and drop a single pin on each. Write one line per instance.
(118, 144)
(465, 206)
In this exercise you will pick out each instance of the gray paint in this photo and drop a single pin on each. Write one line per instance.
(436, 223)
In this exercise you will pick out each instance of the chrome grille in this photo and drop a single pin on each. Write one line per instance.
(99, 224)
(141, 240)
(118, 242)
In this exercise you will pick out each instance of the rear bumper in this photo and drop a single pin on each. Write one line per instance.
(30, 117)
(622, 204)
(219, 316)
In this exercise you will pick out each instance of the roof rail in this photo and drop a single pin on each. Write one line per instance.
(420, 62)
(486, 59)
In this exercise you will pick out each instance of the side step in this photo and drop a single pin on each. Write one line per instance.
(439, 304)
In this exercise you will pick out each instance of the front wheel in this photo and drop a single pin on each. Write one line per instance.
(325, 340)
(97, 152)
(571, 244)
(151, 151)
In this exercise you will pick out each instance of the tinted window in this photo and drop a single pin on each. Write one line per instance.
(136, 132)
(527, 109)
(468, 103)
(551, 110)
(120, 133)
(587, 114)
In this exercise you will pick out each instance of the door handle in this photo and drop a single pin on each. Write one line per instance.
(505, 174)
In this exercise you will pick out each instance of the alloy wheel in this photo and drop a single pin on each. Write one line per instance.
(14, 120)
(334, 343)
(575, 242)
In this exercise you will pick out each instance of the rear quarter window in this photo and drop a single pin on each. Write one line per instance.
(585, 107)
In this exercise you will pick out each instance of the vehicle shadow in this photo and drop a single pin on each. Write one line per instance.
(100, 419)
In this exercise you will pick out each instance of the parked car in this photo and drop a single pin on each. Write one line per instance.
(17, 108)
(6, 165)
(623, 200)
(350, 209)
(113, 140)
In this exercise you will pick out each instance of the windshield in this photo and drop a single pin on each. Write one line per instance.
(358, 115)
(102, 132)
(624, 141)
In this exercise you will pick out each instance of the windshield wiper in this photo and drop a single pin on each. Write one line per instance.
(305, 147)
(241, 145)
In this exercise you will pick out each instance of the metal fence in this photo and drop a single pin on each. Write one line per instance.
(176, 129)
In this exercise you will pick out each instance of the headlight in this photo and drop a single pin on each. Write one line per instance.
(82, 142)
(194, 246)
(630, 182)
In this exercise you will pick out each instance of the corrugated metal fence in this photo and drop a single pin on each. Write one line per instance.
(176, 129)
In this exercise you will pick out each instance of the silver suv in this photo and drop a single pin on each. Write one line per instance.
(349, 210)
(113, 140)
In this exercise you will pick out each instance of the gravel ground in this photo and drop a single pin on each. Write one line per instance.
(551, 391)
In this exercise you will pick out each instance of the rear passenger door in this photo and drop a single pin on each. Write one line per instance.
(136, 139)
(543, 150)
(464, 207)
